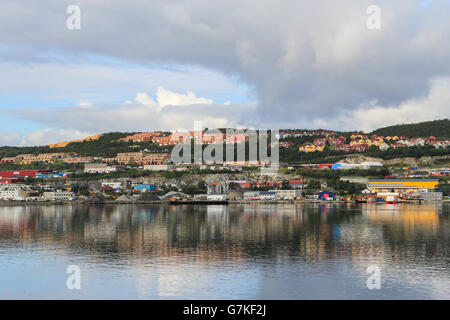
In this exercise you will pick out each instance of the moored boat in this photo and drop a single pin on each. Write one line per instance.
(390, 199)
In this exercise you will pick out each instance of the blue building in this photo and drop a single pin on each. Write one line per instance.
(327, 195)
(53, 174)
(145, 187)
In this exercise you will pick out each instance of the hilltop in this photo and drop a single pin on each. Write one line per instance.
(65, 143)
(425, 139)
(437, 128)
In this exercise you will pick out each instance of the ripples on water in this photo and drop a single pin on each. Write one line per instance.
(254, 251)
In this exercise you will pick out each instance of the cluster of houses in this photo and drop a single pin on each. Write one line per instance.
(46, 158)
(199, 137)
(360, 143)
(305, 133)
(140, 158)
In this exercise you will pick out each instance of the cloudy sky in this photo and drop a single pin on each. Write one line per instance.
(143, 65)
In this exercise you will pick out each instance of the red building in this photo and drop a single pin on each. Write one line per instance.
(320, 141)
(17, 176)
(22, 173)
(344, 147)
(296, 183)
(360, 147)
(12, 180)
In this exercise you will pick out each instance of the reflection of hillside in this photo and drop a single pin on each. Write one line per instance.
(410, 219)
(241, 233)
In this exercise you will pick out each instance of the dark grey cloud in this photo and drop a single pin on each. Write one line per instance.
(307, 62)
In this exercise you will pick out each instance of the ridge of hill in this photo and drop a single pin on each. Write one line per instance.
(437, 128)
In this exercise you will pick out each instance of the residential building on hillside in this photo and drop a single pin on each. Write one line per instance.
(142, 158)
(142, 137)
(101, 168)
(159, 167)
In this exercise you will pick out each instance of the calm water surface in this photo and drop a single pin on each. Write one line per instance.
(255, 251)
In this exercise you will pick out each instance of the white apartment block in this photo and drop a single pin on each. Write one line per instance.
(58, 195)
(288, 194)
(14, 192)
(100, 168)
(159, 167)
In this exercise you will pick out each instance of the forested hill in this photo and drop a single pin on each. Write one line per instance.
(437, 128)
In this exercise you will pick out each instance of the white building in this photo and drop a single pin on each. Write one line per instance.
(181, 169)
(384, 146)
(216, 197)
(159, 167)
(251, 195)
(114, 185)
(288, 194)
(101, 168)
(14, 192)
(261, 195)
(370, 165)
(58, 195)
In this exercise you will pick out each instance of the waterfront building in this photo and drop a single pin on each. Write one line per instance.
(216, 197)
(58, 195)
(14, 192)
(261, 195)
(288, 194)
(402, 185)
(326, 195)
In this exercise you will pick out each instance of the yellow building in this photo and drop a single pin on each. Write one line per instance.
(402, 185)
(377, 141)
(357, 136)
(393, 138)
(310, 148)
(361, 141)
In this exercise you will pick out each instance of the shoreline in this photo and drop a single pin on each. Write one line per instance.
(13, 203)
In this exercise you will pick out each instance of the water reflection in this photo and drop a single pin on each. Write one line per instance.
(235, 251)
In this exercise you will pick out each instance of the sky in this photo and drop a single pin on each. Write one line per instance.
(146, 65)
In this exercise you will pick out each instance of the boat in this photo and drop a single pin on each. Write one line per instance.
(390, 199)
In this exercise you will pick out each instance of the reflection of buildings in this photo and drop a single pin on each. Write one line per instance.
(237, 233)
(408, 219)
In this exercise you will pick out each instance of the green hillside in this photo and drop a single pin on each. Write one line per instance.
(437, 128)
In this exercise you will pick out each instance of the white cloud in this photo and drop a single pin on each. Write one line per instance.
(85, 104)
(144, 99)
(170, 110)
(169, 98)
(41, 137)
